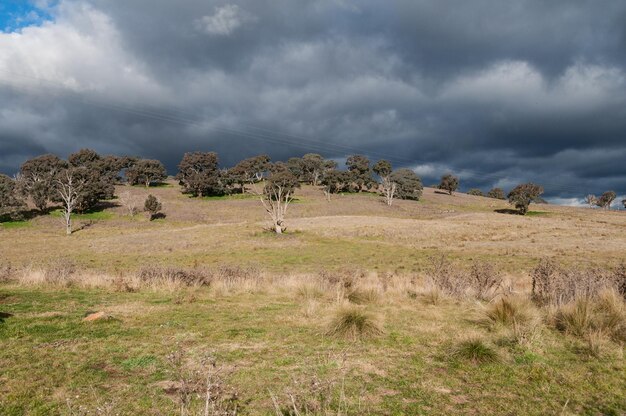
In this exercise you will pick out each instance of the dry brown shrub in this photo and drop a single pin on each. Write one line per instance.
(555, 285)
(233, 276)
(6, 272)
(160, 275)
(60, 272)
(481, 281)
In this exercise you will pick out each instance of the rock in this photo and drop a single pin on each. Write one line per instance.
(96, 316)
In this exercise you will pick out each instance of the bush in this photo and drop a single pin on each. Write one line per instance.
(475, 192)
(354, 322)
(152, 206)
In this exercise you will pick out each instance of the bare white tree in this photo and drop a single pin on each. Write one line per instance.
(591, 200)
(383, 169)
(276, 197)
(68, 188)
(129, 202)
(389, 189)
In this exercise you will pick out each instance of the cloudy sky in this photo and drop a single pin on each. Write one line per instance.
(496, 92)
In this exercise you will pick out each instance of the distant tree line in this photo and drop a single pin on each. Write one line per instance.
(86, 178)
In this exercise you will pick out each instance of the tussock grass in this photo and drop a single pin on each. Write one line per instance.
(510, 311)
(516, 314)
(476, 351)
(354, 322)
(363, 296)
(604, 314)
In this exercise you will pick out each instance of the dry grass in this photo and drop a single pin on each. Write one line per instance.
(351, 231)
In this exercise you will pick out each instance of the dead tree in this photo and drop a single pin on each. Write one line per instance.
(389, 189)
(277, 195)
(591, 200)
(129, 202)
(68, 188)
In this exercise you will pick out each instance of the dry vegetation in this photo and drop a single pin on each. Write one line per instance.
(442, 306)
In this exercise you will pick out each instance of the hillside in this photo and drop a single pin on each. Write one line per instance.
(345, 314)
(351, 230)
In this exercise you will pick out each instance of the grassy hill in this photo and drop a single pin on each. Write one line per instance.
(338, 316)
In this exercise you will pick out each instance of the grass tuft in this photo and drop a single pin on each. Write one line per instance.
(605, 314)
(476, 351)
(363, 296)
(354, 322)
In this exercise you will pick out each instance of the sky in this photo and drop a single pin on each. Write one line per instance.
(498, 93)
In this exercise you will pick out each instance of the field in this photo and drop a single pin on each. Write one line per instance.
(259, 331)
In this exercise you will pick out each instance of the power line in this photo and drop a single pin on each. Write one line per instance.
(276, 137)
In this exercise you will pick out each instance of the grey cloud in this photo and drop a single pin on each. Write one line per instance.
(497, 92)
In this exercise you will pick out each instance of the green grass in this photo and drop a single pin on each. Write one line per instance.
(50, 356)
(94, 215)
(15, 224)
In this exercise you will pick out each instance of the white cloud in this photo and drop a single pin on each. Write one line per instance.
(81, 51)
(225, 20)
(518, 84)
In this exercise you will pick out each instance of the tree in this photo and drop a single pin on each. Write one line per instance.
(408, 184)
(624, 203)
(129, 202)
(449, 183)
(334, 181)
(68, 188)
(152, 206)
(313, 166)
(360, 172)
(146, 172)
(591, 200)
(522, 195)
(278, 194)
(249, 170)
(475, 192)
(606, 199)
(296, 167)
(97, 175)
(496, 193)
(199, 174)
(37, 179)
(11, 205)
(383, 169)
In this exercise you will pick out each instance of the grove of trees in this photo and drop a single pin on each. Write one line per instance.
(80, 183)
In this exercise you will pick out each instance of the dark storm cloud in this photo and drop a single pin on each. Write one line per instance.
(496, 92)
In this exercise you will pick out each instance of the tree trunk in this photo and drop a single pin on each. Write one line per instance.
(278, 228)
(68, 224)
